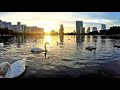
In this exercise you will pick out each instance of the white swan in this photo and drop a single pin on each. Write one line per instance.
(1, 45)
(91, 47)
(59, 43)
(8, 70)
(39, 50)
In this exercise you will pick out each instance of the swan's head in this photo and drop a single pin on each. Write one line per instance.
(47, 43)
(4, 67)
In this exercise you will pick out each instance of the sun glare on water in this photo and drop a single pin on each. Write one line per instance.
(47, 38)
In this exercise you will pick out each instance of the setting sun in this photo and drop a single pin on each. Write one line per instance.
(47, 29)
(48, 25)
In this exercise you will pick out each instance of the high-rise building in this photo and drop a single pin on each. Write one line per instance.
(14, 28)
(9, 25)
(18, 26)
(5, 25)
(61, 30)
(94, 29)
(40, 30)
(29, 29)
(103, 26)
(83, 30)
(1, 23)
(79, 25)
(23, 28)
(88, 30)
(34, 29)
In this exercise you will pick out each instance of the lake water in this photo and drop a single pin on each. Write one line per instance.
(71, 53)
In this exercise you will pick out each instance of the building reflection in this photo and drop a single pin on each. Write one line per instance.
(103, 37)
(61, 38)
(103, 40)
(79, 39)
(95, 37)
(20, 39)
(88, 36)
(26, 39)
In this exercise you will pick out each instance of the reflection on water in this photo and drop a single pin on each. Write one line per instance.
(80, 38)
(73, 54)
(103, 45)
(61, 37)
(47, 39)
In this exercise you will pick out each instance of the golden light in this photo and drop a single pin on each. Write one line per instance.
(48, 26)
(47, 29)
(47, 38)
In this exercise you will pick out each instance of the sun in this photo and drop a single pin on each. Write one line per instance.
(48, 25)
(47, 29)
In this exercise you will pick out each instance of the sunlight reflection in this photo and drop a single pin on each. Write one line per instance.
(47, 39)
(85, 44)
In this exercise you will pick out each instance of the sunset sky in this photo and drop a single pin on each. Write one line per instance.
(52, 20)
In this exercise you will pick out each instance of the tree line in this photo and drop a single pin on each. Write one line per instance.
(5, 31)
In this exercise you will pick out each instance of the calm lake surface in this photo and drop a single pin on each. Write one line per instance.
(71, 53)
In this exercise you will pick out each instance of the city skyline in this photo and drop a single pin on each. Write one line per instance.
(52, 20)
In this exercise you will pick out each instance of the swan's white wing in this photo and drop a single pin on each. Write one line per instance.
(17, 68)
(37, 50)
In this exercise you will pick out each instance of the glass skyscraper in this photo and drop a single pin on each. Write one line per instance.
(79, 25)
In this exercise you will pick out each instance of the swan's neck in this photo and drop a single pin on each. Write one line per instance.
(95, 44)
(7, 76)
(45, 47)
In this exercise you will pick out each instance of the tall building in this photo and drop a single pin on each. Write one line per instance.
(9, 25)
(18, 26)
(83, 30)
(79, 25)
(14, 28)
(61, 30)
(23, 28)
(40, 30)
(103, 26)
(5, 25)
(34, 29)
(29, 29)
(88, 30)
(1, 23)
(94, 29)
